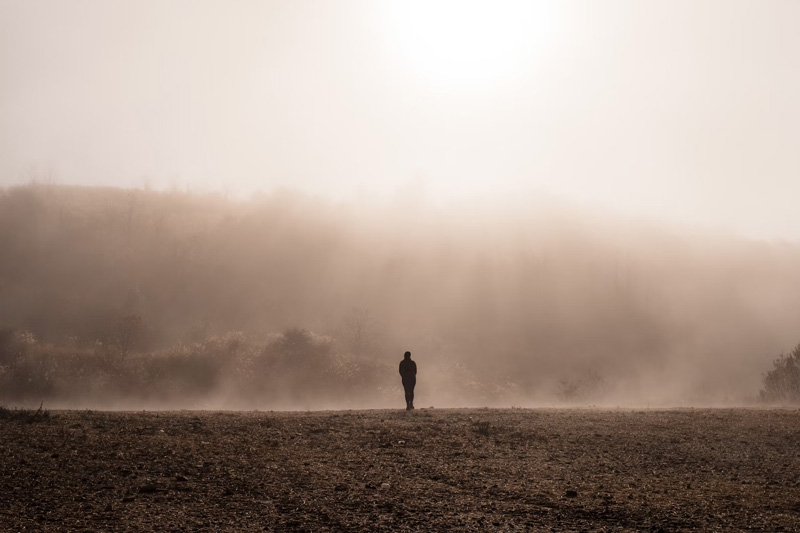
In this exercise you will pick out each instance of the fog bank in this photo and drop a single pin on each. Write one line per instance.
(134, 298)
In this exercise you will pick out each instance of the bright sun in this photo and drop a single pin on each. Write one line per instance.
(468, 44)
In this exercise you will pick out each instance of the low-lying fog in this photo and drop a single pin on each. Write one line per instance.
(131, 298)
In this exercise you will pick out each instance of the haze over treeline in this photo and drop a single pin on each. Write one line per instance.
(290, 300)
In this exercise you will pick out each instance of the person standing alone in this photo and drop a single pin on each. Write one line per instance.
(408, 371)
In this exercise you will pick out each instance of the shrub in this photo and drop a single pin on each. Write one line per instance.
(298, 361)
(782, 383)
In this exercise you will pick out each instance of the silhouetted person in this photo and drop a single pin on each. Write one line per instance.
(408, 371)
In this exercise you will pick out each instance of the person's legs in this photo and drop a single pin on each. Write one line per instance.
(409, 390)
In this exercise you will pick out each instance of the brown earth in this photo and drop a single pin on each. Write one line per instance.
(425, 470)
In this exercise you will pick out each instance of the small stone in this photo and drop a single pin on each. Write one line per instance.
(571, 494)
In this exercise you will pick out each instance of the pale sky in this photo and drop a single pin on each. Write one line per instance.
(687, 111)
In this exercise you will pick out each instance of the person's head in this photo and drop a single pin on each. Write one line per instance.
(407, 355)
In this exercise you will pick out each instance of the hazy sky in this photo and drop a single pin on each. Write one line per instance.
(682, 110)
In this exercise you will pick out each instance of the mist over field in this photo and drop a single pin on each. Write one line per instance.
(547, 203)
(224, 224)
(126, 298)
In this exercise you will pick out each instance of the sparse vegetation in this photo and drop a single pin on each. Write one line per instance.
(28, 416)
(294, 367)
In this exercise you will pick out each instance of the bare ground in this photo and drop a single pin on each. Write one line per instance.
(425, 470)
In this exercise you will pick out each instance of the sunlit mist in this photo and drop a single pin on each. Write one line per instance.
(127, 297)
(546, 202)
(470, 45)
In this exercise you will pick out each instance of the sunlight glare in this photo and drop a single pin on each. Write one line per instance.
(468, 44)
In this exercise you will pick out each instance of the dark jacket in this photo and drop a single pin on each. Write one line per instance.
(408, 369)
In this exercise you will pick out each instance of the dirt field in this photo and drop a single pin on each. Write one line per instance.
(429, 469)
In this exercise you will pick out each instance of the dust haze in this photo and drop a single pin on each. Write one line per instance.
(129, 298)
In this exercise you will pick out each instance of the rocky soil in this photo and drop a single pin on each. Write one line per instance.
(425, 470)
